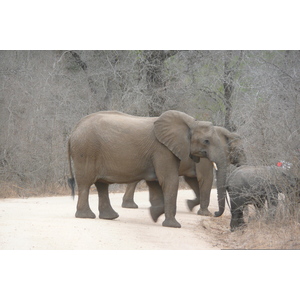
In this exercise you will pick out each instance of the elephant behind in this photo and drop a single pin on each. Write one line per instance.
(199, 176)
(111, 147)
(256, 185)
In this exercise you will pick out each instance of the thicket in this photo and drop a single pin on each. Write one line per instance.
(43, 94)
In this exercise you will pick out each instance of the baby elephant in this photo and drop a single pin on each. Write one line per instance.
(255, 185)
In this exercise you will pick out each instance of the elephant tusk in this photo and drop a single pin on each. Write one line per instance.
(215, 166)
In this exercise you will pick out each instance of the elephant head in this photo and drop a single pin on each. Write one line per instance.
(186, 137)
(233, 146)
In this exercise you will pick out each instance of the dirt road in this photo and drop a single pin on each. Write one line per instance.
(49, 223)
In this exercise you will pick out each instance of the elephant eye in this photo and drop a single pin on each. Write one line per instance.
(206, 142)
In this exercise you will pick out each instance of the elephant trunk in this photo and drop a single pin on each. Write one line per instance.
(221, 174)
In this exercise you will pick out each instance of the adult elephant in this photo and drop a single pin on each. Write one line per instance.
(199, 176)
(112, 147)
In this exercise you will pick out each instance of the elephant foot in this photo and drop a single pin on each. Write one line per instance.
(218, 213)
(171, 223)
(237, 224)
(85, 214)
(192, 203)
(129, 204)
(108, 215)
(156, 212)
(204, 212)
(240, 226)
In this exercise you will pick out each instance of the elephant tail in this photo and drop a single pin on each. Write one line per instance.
(71, 180)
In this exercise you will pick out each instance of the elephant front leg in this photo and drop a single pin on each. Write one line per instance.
(170, 190)
(166, 169)
(237, 220)
(83, 208)
(170, 211)
(105, 209)
(160, 204)
(237, 216)
(204, 190)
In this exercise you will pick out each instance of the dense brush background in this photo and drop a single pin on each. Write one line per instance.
(45, 93)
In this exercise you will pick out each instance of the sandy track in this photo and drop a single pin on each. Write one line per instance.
(49, 223)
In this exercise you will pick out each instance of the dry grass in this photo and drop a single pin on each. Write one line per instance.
(13, 190)
(280, 233)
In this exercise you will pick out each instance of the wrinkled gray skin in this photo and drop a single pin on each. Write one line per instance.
(199, 176)
(112, 147)
(256, 185)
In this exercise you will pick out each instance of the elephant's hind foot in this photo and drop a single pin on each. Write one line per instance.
(204, 212)
(129, 204)
(171, 223)
(108, 215)
(156, 212)
(86, 214)
(192, 203)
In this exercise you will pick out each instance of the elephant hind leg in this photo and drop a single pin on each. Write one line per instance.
(105, 209)
(193, 183)
(259, 205)
(128, 201)
(156, 198)
(83, 208)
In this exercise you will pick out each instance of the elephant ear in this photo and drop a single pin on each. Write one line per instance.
(232, 138)
(172, 129)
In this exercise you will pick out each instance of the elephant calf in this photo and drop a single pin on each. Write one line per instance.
(256, 185)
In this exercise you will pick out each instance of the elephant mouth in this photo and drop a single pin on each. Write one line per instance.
(195, 158)
(200, 153)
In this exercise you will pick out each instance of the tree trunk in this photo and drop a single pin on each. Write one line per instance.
(228, 90)
(83, 66)
(230, 69)
(156, 82)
